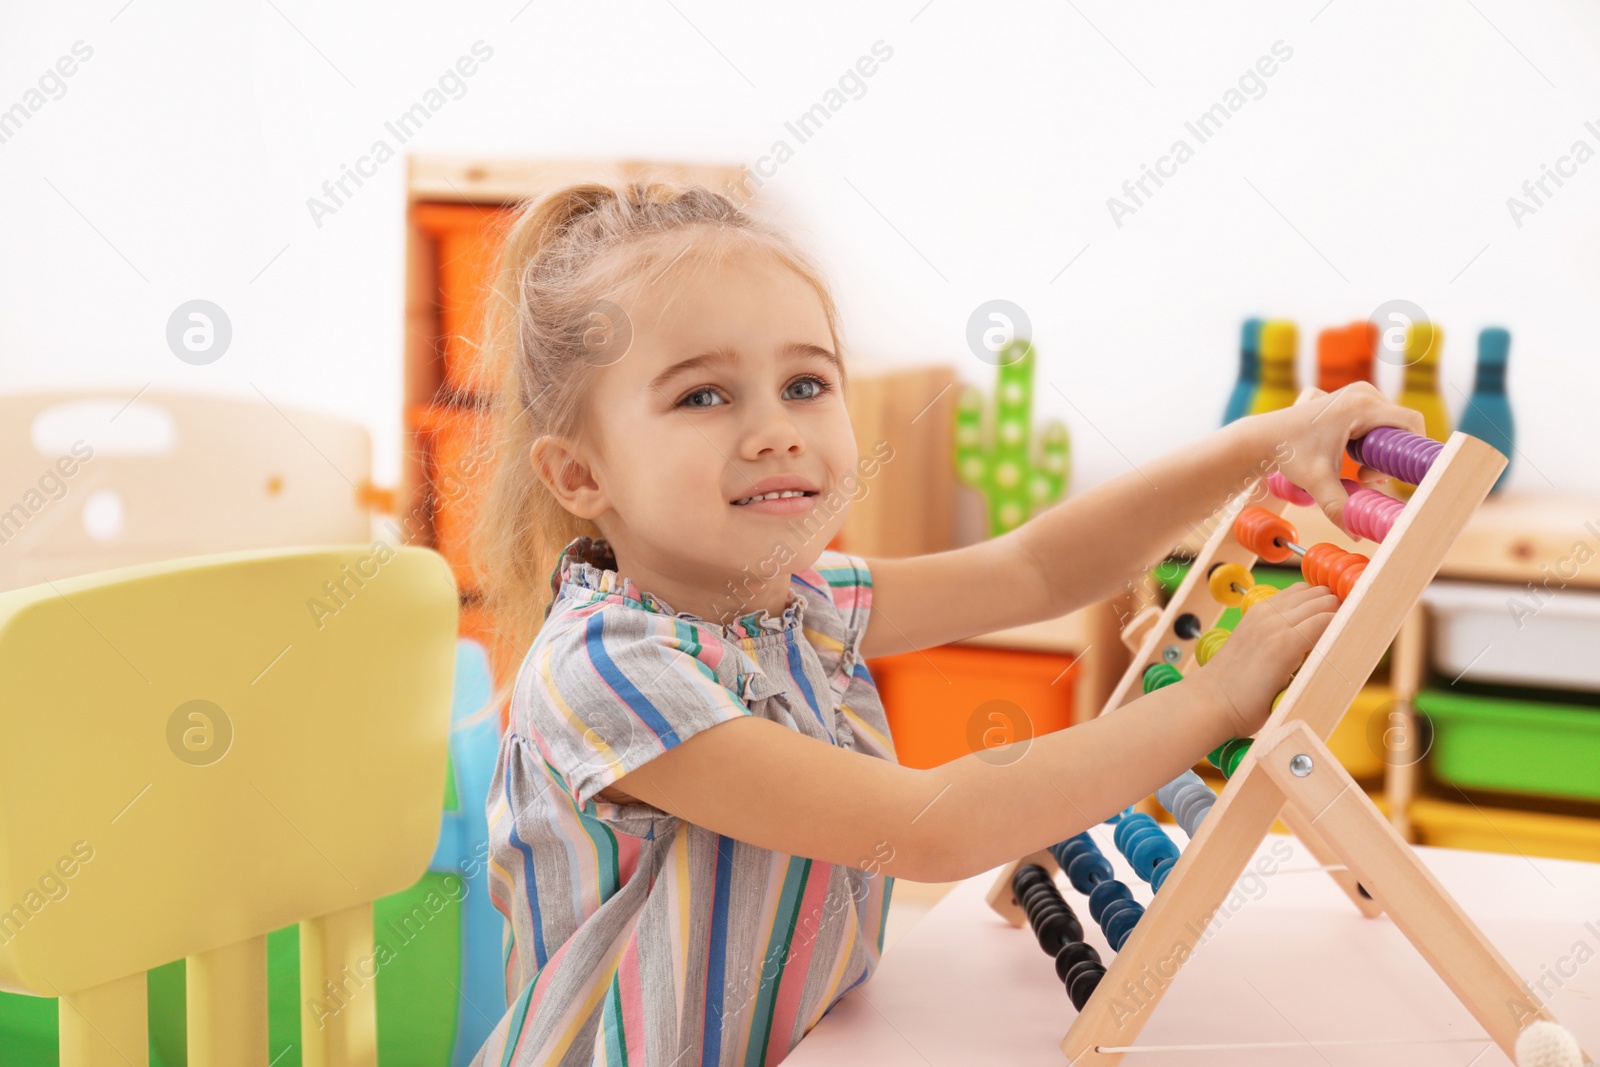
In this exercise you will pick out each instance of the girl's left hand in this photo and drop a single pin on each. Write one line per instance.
(1316, 430)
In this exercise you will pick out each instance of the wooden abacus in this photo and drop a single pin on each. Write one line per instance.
(1286, 772)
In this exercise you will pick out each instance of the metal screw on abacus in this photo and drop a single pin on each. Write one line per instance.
(1300, 765)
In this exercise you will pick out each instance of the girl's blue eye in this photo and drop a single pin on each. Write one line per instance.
(687, 400)
(819, 386)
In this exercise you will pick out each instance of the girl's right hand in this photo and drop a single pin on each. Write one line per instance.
(1263, 652)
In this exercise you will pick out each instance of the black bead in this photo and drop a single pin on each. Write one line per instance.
(1039, 907)
(1072, 954)
(1081, 982)
(1032, 898)
(1043, 912)
(1026, 875)
(1057, 929)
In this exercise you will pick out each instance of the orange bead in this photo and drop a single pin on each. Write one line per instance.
(1331, 566)
(1259, 530)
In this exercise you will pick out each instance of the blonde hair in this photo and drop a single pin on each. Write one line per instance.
(556, 266)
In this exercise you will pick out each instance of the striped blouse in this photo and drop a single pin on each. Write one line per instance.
(635, 937)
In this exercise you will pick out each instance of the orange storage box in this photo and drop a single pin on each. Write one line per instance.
(458, 451)
(947, 701)
(468, 239)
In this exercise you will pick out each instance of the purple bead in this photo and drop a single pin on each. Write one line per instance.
(1396, 452)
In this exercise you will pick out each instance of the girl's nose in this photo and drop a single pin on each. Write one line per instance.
(771, 428)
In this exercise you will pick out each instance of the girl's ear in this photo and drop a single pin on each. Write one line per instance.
(569, 479)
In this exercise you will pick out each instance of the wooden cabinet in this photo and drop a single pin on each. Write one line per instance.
(1515, 538)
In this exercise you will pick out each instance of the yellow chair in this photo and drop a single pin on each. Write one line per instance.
(196, 752)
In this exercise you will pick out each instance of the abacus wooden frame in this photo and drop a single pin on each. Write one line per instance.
(1325, 809)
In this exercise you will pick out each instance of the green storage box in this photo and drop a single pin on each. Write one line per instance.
(1514, 743)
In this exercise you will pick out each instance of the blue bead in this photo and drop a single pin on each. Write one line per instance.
(1150, 851)
(1106, 893)
(1087, 872)
(1139, 836)
(1120, 924)
(1129, 826)
(1158, 876)
(1114, 908)
(1144, 856)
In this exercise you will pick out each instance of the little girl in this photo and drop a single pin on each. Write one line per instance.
(697, 815)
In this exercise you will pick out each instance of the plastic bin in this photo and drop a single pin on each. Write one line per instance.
(1504, 633)
(1513, 745)
(1480, 829)
(947, 701)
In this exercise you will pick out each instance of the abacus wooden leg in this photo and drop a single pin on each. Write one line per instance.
(1176, 921)
(1306, 831)
(1313, 781)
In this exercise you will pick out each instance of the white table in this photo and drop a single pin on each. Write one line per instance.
(1289, 961)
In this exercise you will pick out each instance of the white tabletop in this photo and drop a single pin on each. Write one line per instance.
(1286, 960)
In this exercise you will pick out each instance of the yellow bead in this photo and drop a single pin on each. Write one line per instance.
(1229, 583)
(1256, 595)
(1278, 698)
(1209, 645)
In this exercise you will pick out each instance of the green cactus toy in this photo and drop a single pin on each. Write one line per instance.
(999, 459)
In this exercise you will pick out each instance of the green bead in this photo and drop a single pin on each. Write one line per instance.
(1158, 675)
(1232, 753)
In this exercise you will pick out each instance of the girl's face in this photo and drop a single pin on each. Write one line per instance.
(728, 389)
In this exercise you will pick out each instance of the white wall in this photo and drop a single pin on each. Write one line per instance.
(1376, 165)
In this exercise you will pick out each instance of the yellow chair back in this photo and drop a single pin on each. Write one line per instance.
(196, 752)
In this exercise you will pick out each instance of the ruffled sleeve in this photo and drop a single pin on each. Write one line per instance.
(846, 580)
(612, 687)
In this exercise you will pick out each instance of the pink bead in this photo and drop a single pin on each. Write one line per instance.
(1284, 489)
(1371, 514)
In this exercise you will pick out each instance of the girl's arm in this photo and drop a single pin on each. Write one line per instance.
(1085, 548)
(1080, 551)
(763, 783)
